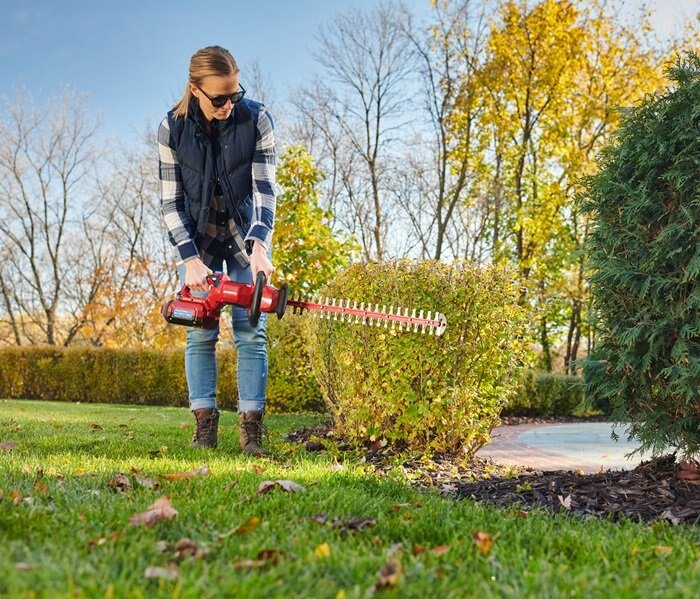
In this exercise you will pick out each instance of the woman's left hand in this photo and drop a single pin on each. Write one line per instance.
(259, 262)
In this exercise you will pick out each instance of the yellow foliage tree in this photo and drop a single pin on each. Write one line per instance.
(307, 252)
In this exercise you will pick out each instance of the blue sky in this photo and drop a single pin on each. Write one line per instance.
(131, 56)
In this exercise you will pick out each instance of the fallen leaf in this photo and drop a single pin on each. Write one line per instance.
(320, 518)
(388, 575)
(156, 453)
(119, 482)
(270, 556)
(266, 557)
(23, 566)
(96, 426)
(122, 425)
(288, 486)
(184, 425)
(483, 540)
(353, 524)
(7, 446)
(565, 501)
(161, 509)
(440, 550)
(323, 550)
(201, 471)
(184, 548)
(417, 550)
(40, 488)
(146, 482)
(169, 573)
(15, 496)
(242, 529)
(663, 550)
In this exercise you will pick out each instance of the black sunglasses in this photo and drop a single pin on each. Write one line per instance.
(219, 101)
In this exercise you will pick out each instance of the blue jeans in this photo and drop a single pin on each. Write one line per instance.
(250, 342)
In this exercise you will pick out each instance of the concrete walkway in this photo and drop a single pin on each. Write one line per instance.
(583, 446)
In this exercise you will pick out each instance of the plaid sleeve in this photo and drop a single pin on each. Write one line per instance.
(172, 198)
(264, 185)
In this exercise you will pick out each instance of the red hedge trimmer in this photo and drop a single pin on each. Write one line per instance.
(205, 312)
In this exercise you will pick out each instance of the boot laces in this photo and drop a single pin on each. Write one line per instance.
(205, 426)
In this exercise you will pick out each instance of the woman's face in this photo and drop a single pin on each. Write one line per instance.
(213, 86)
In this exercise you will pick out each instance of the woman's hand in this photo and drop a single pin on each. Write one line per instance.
(196, 275)
(259, 262)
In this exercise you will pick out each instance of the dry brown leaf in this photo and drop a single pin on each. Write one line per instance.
(24, 566)
(483, 540)
(266, 557)
(147, 482)
(201, 471)
(161, 509)
(40, 488)
(565, 501)
(418, 549)
(353, 524)
(122, 425)
(15, 496)
(288, 486)
(7, 446)
(169, 573)
(440, 550)
(320, 518)
(270, 556)
(119, 482)
(96, 426)
(388, 575)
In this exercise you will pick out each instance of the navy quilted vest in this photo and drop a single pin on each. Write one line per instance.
(225, 157)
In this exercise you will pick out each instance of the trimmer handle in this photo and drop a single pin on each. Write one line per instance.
(254, 313)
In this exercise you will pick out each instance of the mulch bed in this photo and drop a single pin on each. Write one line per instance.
(651, 491)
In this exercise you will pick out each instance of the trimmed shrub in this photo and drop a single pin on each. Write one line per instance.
(417, 391)
(546, 394)
(644, 251)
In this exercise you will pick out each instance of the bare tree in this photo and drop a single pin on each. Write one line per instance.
(47, 157)
(355, 112)
(450, 55)
(124, 249)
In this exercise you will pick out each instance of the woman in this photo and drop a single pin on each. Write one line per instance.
(217, 174)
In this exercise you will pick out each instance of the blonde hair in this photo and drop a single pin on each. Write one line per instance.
(212, 60)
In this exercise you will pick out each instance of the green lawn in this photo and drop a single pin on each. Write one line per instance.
(65, 532)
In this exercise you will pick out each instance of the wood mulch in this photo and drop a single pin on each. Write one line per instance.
(658, 489)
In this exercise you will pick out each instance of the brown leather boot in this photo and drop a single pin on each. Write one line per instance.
(251, 433)
(206, 434)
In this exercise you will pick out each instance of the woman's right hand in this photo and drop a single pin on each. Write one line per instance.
(196, 275)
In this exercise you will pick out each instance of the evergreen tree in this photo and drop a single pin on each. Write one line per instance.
(644, 251)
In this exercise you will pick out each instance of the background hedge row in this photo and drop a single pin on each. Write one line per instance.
(154, 377)
(158, 378)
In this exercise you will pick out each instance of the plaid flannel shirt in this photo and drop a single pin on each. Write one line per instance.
(221, 236)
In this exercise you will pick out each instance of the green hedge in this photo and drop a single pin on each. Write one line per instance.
(154, 377)
(546, 394)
